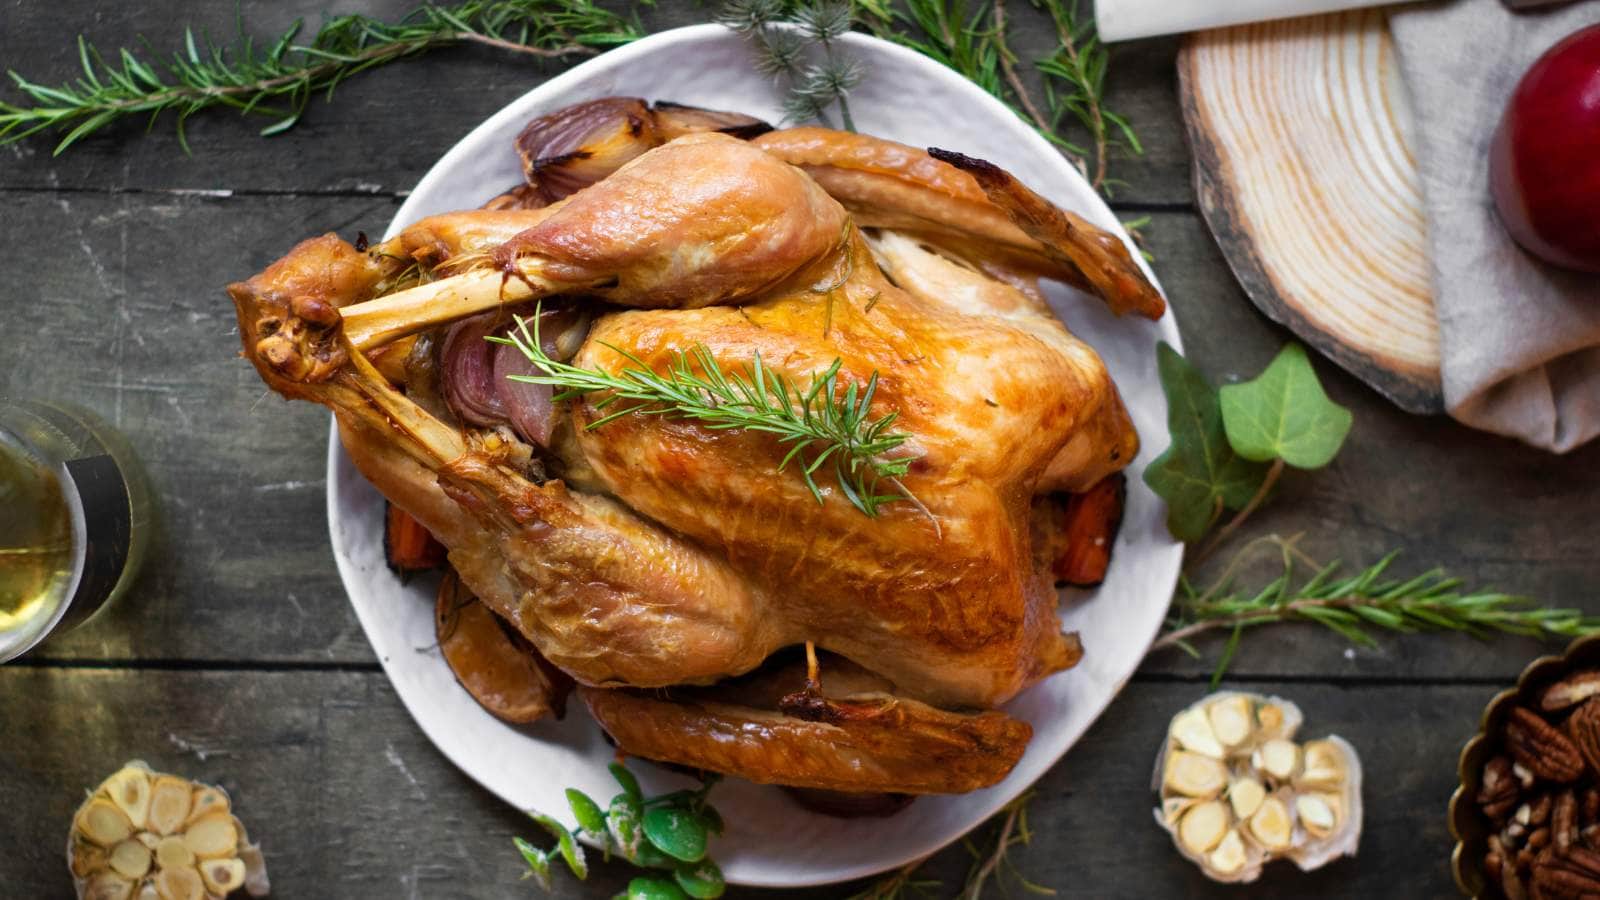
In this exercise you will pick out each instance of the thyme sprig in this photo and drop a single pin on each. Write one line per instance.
(279, 79)
(1352, 604)
(822, 424)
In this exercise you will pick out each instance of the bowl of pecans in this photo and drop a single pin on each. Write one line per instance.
(1526, 817)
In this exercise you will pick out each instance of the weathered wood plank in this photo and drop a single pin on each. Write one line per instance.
(123, 312)
(1490, 510)
(350, 800)
(384, 129)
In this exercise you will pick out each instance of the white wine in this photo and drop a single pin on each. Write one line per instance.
(37, 562)
(74, 513)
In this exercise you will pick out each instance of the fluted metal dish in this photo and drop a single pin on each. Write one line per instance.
(1467, 823)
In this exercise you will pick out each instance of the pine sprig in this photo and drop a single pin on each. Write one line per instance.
(781, 35)
(822, 424)
(279, 79)
(1352, 605)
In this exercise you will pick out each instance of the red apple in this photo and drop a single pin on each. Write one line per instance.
(1544, 164)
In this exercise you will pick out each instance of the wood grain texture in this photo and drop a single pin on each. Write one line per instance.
(349, 800)
(1304, 171)
(238, 644)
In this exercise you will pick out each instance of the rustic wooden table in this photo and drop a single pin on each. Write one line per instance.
(237, 658)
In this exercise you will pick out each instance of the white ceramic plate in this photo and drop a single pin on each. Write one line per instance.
(770, 841)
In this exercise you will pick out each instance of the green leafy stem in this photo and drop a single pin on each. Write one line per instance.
(669, 833)
(821, 424)
(279, 79)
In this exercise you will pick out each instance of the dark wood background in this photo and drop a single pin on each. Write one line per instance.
(237, 658)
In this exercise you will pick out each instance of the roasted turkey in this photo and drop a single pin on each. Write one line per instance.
(716, 609)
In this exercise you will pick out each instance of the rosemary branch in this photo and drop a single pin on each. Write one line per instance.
(280, 80)
(821, 424)
(1352, 604)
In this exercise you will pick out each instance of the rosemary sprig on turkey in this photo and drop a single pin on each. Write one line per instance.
(822, 424)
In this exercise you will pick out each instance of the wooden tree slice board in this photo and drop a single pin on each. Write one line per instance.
(1305, 174)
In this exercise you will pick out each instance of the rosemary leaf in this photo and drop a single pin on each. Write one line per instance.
(1350, 606)
(828, 425)
(280, 81)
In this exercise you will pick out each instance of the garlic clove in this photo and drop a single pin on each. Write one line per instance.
(180, 884)
(1194, 775)
(1231, 720)
(129, 789)
(1229, 858)
(108, 886)
(104, 823)
(130, 859)
(1203, 827)
(1173, 808)
(1245, 796)
(222, 875)
(1324, 765)
(1318, 813)
(170, 799)
(206, 800)
(1271, 719)
(1271, 825)
(173, 853)
(1278, 758)
(212, 836)
(1194, 733)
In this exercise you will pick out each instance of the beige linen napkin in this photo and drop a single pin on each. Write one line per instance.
(1520, 340)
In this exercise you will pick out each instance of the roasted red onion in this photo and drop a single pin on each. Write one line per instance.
(476, 373)
(531, 412)
(575, 147)
(470, 386)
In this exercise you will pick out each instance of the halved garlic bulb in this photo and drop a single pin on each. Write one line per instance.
(143, 835)
(1236, 790)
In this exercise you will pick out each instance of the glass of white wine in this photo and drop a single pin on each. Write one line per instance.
(74, 520)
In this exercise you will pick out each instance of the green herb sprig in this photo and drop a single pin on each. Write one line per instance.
(279, 79)
(668, 833)
(822, 424)
(1352, 604)
(781, 35)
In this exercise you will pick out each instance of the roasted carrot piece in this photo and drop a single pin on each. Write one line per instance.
(1090, 527)
(407, 545)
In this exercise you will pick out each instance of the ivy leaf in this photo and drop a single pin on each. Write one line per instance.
(1199, 473)
(1284, 414)
(702, 880)
(678, 833)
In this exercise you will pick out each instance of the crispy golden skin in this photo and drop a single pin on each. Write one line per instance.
(679, 556)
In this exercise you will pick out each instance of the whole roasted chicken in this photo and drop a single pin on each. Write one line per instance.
(838, 601)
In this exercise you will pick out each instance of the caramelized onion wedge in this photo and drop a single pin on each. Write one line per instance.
(578, 145)
(507, 677)
(1101, 256)
(869, 741)
(674, 120)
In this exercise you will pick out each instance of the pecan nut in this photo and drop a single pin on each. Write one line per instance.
(1573, 689)
(1564, 821)
(1498, 789)
(1574, 874)
(1583, 727)
(1541, 748)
